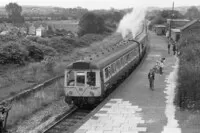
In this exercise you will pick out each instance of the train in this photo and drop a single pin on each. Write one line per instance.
(88, 82)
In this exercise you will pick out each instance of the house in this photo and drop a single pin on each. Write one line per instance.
(37, 29)
(40, 31)
(160, 29)
(4, 33)
(31, 30)
(191, 28)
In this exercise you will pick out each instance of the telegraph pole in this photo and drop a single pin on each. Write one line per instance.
(170, 24)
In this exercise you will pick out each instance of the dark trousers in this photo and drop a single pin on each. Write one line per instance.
(1, 126)
(151, 84)
(168, 50)
(174, 52)
(161, 70)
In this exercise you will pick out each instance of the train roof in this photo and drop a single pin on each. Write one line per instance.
(105, 58)
(104, 61)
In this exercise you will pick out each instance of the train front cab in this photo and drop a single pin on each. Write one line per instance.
(82, 86)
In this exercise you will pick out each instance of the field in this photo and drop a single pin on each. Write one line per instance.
(69, 25)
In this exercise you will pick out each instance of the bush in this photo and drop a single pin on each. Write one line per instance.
(38, 51)
(32, 38)
(8, 38)
(60, 45)
(35, 53)
(13, 53)
(47, 51)
(44, 41)
(188, 92)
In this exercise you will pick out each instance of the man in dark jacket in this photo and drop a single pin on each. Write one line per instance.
(151, 77)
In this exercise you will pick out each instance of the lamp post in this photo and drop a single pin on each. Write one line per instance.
(170, 23)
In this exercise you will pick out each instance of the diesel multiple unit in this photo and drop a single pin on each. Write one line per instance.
(89, 81)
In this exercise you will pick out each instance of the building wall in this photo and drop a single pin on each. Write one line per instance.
(31, 30)
(176, 24)
(160, 31)
(175, 36)
(39, 32)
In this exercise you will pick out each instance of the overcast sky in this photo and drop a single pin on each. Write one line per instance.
(106, 4)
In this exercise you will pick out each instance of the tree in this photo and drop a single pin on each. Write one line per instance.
(157, 20)
(150, 15)
(168, 13)
(91, 23)
(192, 13)
(14, 13)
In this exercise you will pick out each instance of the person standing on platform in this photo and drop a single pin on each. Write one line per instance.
(151, 77)
(168, 46)
(174, 49)
(162, 65)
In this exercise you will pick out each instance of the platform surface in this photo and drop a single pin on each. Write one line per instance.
(133, 107)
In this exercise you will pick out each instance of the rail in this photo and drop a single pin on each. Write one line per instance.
(67, 121)
(59, 119)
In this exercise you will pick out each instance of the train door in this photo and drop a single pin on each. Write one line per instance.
(93, 82)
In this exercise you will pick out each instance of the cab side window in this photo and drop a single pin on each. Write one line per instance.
(70, 78)
(91, 78)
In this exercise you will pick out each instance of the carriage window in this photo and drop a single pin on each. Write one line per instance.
(80, 79)
(127, 57)
(70, 78)
(106, 72)
(118, 64)
(91, 78)
(124, 59)
(112, 69)
(109, 71)
(121, 62)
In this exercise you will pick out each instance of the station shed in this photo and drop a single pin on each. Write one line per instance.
(160, 29)
(175, 34)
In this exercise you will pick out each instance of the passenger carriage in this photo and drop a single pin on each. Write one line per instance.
(88, 81)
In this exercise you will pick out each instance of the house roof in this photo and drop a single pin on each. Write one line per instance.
(183, 20)
(160, 26)
(189, 24)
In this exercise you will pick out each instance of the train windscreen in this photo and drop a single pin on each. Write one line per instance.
(81, 78)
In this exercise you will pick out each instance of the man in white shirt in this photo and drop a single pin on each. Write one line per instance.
(161, 65)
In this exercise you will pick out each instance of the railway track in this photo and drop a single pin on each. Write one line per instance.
(67, 121)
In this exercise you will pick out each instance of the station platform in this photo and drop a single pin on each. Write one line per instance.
(133, 107)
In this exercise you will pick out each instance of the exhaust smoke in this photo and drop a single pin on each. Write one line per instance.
(132, 22)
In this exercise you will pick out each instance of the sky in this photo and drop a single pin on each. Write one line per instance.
(103, 4)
